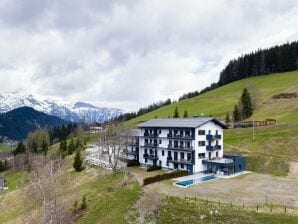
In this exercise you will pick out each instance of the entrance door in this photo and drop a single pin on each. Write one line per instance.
(190, 170)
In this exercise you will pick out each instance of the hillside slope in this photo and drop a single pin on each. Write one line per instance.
(17, 123)
(221, 101)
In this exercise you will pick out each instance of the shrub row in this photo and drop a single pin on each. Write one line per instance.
(132, 163)
(165, 176)
(153, 168)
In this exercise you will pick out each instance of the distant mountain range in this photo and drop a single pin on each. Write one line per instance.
(77, 112)
(16, 124)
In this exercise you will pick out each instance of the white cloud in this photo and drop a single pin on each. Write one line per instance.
(129, 54)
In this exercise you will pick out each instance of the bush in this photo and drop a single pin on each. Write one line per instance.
(153, 168)
(165, 176)
(132, 163)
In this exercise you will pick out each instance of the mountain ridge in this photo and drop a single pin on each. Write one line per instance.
(77, 112)
(17, 123)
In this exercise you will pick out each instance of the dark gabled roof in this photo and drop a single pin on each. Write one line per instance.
(179, 122)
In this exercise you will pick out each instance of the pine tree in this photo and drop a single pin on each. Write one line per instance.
(245, 100)
(185, 115)
(236, 114)
(21, 148)
(44, 147)
(227, 119)
(176, 113)
(5, 165)
(78, 162)
(71, 147)
(1, 166)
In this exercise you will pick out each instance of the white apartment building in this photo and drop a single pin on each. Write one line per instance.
(193, 144)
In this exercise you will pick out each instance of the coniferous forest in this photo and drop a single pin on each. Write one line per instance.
(283, 58)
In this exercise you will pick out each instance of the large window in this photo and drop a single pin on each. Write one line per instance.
(201, 132)
(201, 143)
(162, 152)
(182, 155)
(182, 166)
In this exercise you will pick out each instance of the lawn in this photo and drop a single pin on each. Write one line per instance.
(6, 148)
(221, 101)
(177, 210)
(271, 151)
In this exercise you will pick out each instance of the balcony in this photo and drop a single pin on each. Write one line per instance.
(218, 137)
(180, 147)
(150, 145)
(150, 135)
(181, 137)
(210, 138)
(184, 161)
(150, 156)
(209, 148)
(217, 147)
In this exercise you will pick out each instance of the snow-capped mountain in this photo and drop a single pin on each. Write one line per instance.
(79, 111)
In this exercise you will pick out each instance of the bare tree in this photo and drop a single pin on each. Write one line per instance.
(112, 141)
(43, 189)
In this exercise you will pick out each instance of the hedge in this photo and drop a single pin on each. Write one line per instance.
(132, 163)
(165, 176)
(153, 168)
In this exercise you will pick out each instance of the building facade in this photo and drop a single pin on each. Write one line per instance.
(193, 144)
(132, 144)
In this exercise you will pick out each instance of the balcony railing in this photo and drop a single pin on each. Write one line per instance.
(150, 145)
(217, 147)
(150, 135)
(150, 156)
(185, 137)
(209, 148)
(217, 136)
(184, 161)
(180, 147)
(210, 137)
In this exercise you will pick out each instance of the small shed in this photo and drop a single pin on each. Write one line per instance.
(2, 183)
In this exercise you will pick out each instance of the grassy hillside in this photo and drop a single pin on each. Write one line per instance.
(220, 101)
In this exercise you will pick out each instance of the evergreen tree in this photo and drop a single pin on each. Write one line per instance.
(176, 113)
(34, 146)
(5, 165)
(44, 147)
(20, 149)
(236, 114)
(1, 166)
(78, 161)
(71, 147)
(246, 105)
(185, 115)
(227, 119)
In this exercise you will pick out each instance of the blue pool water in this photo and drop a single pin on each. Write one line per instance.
(195, 181)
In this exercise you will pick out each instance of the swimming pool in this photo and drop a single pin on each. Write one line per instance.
(187, 183)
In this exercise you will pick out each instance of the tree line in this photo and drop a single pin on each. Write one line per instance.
(283, 58)
(141, 111)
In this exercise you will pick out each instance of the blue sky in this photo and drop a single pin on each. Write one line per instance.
(128, 54)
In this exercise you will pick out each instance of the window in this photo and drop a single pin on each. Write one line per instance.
(170, 142)
(146, 140)
(216, 142)
(162, 152)
(159, 141)
(216, 154)
(182, 166)
(182, 155)
(216, 132)
(145, 160)
(209, 132)
(201, 155)
(146, 151)
(201, 132)
(201, 143)
(167, 163)
(159, 131)
(187, 133)
(151, 151)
